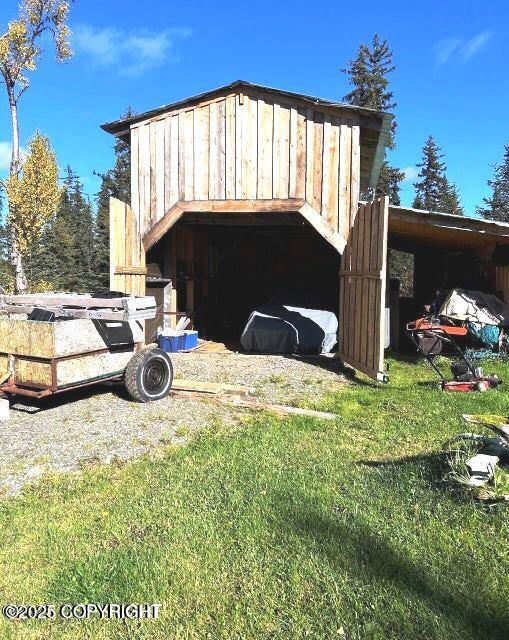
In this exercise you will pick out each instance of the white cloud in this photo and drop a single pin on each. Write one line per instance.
(446, 49)
(130, 53)
(472, 46)
(5, 155)
(411, 174)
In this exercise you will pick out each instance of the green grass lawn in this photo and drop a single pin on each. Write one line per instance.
(294, 528)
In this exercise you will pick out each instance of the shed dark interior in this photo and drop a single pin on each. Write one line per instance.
(223, 272)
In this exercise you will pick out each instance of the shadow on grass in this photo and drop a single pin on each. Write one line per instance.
(364, 552)
(432, 469)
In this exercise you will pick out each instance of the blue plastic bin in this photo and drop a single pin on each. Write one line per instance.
(171, 344)
(185, 341)
(190, 339)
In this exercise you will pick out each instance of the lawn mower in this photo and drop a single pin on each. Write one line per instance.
(432, 336)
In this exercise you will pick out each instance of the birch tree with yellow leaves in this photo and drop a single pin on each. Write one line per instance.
(20, 53)
(33, 195)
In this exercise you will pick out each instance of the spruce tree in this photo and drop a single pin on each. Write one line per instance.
(433, 191)
(64, 256)
(82, 228)
(430, 187)
(451, 199)
(496, 207)
(368, 75)
(115, 183)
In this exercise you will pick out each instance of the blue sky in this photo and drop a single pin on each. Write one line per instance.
(451, 77)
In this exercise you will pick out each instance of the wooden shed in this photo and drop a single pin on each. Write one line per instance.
(244, 193)
(448, 251)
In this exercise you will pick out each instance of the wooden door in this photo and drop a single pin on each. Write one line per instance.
(127, 255)
(362, 290)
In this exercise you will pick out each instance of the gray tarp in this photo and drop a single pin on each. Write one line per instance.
(285, 329)
(475, 306)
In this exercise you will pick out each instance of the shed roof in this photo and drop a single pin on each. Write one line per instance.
(375, 125)
(411, 228)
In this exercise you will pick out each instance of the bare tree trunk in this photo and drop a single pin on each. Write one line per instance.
(19, 273)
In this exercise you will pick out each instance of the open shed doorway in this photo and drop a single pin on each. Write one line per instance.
(429, 255)
(221, 272)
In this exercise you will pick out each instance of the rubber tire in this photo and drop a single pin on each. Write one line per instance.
(135, 375)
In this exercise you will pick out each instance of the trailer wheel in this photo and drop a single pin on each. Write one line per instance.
(149, 375)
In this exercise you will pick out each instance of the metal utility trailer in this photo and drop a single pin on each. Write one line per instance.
(50, 343)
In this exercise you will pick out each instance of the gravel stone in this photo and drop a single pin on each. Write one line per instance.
(101, 424)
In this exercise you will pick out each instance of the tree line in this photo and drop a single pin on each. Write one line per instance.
(368, 74)
(52, 238)
(70, 250)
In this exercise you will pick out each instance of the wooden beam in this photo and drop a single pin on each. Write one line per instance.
(291, 205)
(243, 206)
(130, 271)
(337, 240)
(162, 226)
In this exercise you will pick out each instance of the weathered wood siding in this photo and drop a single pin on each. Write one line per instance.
(362, 290)
(241, 147)
(127, 255)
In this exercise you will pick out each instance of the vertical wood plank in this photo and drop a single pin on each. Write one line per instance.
(160, 133)
(372, 306)
(220, 161)
(326, 160)
(276, 143)
(292, 187)
(300, 178)
(344, 180)
(239, 110)
(153, 187)
(265, 141)
(201, 152)
(333, 203)
(182, 155)
(383, 220)
(365, 282)
(144, 183)
(230, 148)
(249, 147)
(359, 255)
(284, 152)
(213, 151)
(135, 169)
(175, 169)
(317, 162)
(189, 155)
(355, 172)
(310, 156)
(167, 162)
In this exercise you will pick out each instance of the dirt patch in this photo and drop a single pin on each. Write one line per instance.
(101, 424)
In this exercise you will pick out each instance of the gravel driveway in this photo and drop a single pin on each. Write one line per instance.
(101, 424)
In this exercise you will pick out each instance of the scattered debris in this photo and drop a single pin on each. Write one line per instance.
(277, 408)
(481, 467)
(236, 396)
(214, 388)
(488, 453)
(81, 305)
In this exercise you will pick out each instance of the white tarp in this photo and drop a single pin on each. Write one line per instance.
(475, 306)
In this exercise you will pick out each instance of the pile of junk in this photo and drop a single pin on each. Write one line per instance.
(468, 326)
